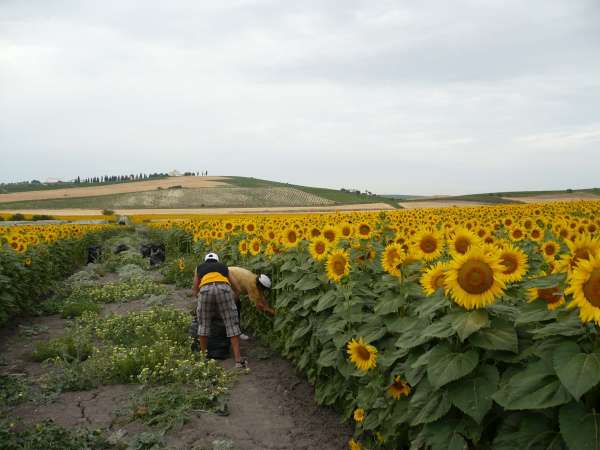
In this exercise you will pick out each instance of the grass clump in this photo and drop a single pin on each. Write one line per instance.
(149, 347)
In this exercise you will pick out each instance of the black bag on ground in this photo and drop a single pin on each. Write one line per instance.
(94, 252)
(218, 342)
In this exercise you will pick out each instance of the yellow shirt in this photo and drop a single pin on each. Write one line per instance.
(213, 277)
(247, 283)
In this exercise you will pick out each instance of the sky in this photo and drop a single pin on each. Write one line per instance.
(397, 97)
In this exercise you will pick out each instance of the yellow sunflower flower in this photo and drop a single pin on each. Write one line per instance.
(515, 263)
(475, 279)
(585, 287)
(338, 265)
(354, 445)
(363, 355)
(553, 296)
(398, 388)
(359, 415)
(392, 258)
(318, 248)
(433, 278)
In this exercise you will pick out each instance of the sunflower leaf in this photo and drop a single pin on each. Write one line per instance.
(467, 323)
(473, 395)
(427, 406)
(446, 366)
(545, 282)
(427, 307)
(567, 324)
(500, 336)
(534, 312)
(328, 300)
(307, 283)
(578, 372)
(580, 428)
(535, 387)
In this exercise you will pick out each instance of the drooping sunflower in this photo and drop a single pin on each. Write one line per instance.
(461, 240)
(584, 284)
(398, 388)
(338, 265)
(392, 258)
(515, 263)
(318, 248)
(553, 296)
(428, 244)
(363, 355)
(359, 415)
(475, 279)
(433, 278)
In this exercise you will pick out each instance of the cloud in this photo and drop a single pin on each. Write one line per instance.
(418, 97)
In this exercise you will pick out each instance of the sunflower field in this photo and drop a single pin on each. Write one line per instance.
(34, 257)
(462, 328)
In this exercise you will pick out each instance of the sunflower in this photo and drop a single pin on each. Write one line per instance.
(428, 244)
(514, 261)
(354, 445)
(433, 278)
(550, 249)
(345, 230)
(398, 388)
(392, 258)
(291, 238)
(552, 296)
(475, 279)
(461, 240)
(330, 234)
(254, 247)
(516, 233)
(536, 233)
(585, 287)
(318, 248)
(363, 355)
(359, 415)
(581, 249)
(243, 247)
(338, 265)
(364, 230)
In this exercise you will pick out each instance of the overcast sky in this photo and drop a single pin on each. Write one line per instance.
(412, 96)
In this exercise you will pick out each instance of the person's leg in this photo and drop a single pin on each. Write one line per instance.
(235, 346)
(225, 301)
(205, 308)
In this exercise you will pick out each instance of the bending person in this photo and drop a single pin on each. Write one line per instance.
(257, 287)
(212, 281)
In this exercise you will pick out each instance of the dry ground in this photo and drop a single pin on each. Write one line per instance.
(556, 197)
(261, 210)
(438, 204)
(271, 408)
(119, 188)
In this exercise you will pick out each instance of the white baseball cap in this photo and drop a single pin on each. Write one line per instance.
(264, 280)
(211, 256)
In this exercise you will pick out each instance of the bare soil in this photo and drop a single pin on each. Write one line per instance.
(438, 204)
(566, 197)
(119, 188)
(215, 211)
(272, 407)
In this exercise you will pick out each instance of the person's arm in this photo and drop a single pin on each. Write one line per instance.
(264, 307)
(195, 284)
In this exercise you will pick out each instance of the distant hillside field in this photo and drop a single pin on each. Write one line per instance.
(216, 197)
(188, 192)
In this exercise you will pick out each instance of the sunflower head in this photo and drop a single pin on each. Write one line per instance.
(318, 248)
(392, 258)
(433, 278)
(428, 244)
(475, 279)
(553, 296)
(398, 388)
(338, 265)
(359, 415)
(515, 264)
(363, 355)
(354, 445)
(585, 287)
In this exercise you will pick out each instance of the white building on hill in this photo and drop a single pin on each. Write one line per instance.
(175, 173)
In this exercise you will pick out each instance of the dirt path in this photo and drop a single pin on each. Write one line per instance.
(272, 407)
